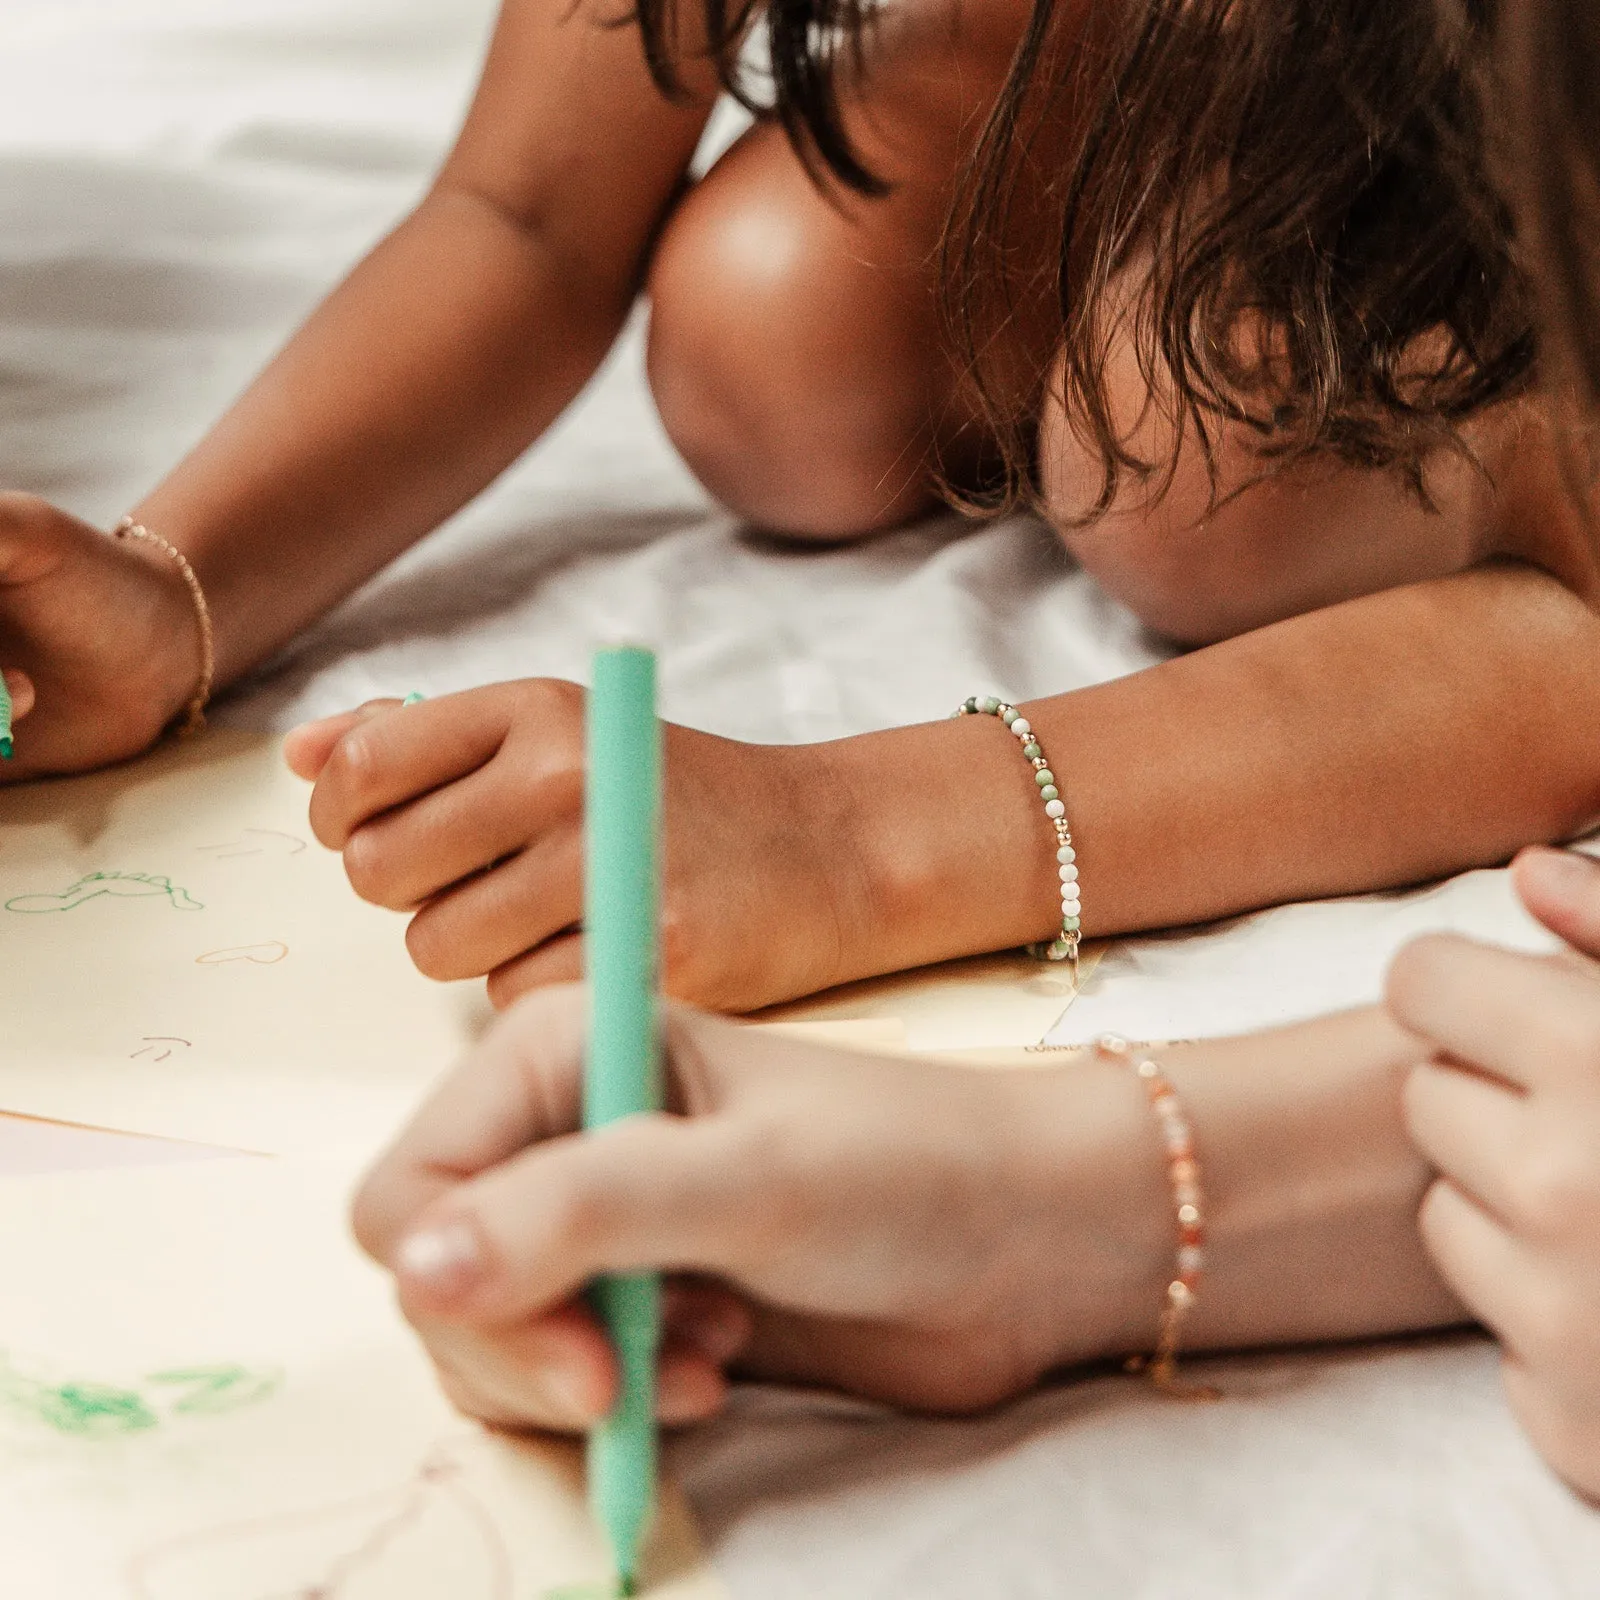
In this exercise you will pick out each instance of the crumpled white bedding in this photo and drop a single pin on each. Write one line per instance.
(179, 182)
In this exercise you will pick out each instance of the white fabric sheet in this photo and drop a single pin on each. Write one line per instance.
(180, 180)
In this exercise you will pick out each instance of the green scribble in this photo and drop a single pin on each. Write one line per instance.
(215, 1390)
(90, 1410)
(101, 1410)
(120, 885)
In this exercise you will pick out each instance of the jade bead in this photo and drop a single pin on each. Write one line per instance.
(1010, 716)
(1049, 792)
(1071, 924)
(1032, 751)
(988, 705)
(1044, 777)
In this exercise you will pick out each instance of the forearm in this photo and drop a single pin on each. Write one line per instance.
(1311, 1190)
(449, 349)
(1372, 744)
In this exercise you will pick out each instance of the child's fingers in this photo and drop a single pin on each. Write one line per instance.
(1469, 1127)
(552, 1371)
(521, 1083)
(709, 1317)
(306, 749)
(558, 1372)
(558, 960)
(648, 1192)
(1562, 889)
(384, 761)
(408, 855)
(1523, 1018)
(689, 1388)
(493, 918)
(20, 687)
(1487, 1267)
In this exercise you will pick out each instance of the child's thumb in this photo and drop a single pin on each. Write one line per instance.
(651, 1192)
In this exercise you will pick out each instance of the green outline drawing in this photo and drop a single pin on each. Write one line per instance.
(118, 885)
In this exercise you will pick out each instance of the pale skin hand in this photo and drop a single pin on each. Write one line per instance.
(1508, 1110)
(930, 1235)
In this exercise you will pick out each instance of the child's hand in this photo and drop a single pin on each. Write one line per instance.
(1509, 1112)
(468, 810)
(98, 640)
(930, 1235)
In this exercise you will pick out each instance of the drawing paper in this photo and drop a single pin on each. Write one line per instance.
(1005, 1000)
(182, 958)
(206, 1394)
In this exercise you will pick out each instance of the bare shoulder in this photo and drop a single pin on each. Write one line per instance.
(1547, 502)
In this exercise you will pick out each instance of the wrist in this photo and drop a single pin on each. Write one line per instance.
(1095, 1240)
(177, 664)
(952, 847)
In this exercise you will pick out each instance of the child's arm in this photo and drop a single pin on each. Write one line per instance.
(1375, 743)
(443, 355)
(933, 1235)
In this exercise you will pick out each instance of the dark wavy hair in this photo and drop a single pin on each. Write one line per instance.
(1285, 206)
(1553, 71)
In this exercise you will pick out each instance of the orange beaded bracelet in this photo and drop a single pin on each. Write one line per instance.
(1183, 1173)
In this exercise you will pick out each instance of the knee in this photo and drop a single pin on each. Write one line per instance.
(761, 393)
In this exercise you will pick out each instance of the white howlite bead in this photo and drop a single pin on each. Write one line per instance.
(1022, 727)
(1071, 908)
(1066, 853)
(1054, 808)
(1190, 1258)
(1069, 873)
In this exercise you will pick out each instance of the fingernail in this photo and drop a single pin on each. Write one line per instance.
(1563, 872)
(446, 1260)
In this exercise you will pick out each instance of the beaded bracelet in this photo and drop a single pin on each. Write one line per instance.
(1183, 1173)
(1064, 947)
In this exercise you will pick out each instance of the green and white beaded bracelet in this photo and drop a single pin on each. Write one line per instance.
(1064, 947)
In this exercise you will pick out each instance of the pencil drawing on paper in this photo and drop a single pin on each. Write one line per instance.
(267, 954)
(88, 1409)
(116, 885)
(255, 842)
(159, 1046)
(431, 1534)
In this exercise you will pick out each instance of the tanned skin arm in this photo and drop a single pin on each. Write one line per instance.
(453, 345)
